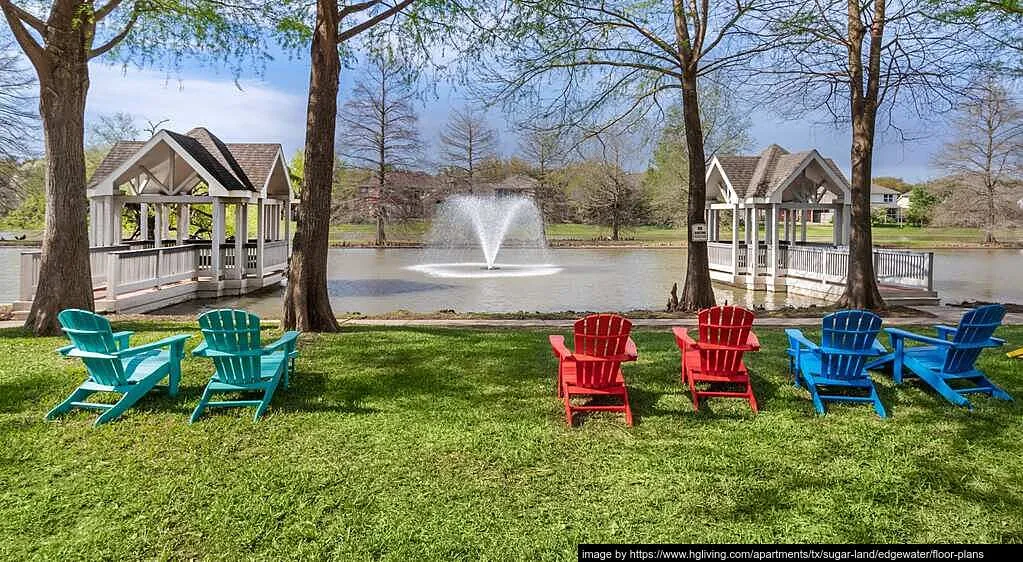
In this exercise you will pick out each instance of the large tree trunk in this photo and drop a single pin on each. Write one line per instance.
(861, 282)
(697, 291)
(64, 276)
(306, 304)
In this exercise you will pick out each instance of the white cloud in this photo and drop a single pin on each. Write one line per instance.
(257, 112)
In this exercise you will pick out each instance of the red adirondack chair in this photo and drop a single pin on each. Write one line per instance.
(725, 334)
(602, 344)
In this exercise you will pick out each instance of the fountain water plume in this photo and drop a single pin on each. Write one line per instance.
(483, 226)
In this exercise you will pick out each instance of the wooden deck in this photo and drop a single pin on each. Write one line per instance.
(134, 278)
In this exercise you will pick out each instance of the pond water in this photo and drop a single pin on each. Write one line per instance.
(376, 281)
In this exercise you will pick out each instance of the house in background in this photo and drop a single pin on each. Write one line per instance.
(893, 202)
(516, 184)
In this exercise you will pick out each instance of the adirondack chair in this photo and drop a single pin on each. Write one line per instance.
(725, 333)
(1016, 353)
(115, 367)
(231, 339)
(848, 341)
(949, 358)
(602, 344)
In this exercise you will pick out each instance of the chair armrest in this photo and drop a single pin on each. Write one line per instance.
(753, 342)
(897, 333)
(165, 342)
(796, 337)
(65, 350)
(287, 340)
(683, 339)
(631, 351)
(558, 346)
(200, 350)
(945, 331)
(879, 347)
(121, 339)
(75, 352)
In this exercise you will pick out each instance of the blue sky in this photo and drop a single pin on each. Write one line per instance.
(270, 107)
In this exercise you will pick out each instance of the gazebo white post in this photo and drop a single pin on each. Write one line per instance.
(754, 246)
(216, 258)
(144, 221)
(787, 214)
(184, 219)
(805, 213)
(287, 224)
(239, 240)
(846, 222)
(158, 226)
(735, 241)
(116, 229)
(260, 236)
(92, 223)
(165, 208)
(836, 225)
(772, 237)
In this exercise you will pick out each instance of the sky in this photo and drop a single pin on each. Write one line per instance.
(270, 107)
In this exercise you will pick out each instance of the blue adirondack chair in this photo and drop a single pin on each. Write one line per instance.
(231, 340)
(949, 358)
(113, 366)
(848, 340)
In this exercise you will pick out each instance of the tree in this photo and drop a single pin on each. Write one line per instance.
(860, 62)
(17, 119)
(597, 65)
(114, 127)
(545, 150)
(59, 38)
(612, 196)
(467, 140)
(726, 130)
(898, 184)
(337, 26)
(921, 205)
(986, 154)
(380, 130)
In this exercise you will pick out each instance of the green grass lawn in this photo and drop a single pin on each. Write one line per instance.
(448, 444)
(907, 237)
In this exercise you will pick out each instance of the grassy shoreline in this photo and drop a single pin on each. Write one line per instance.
(436, 444)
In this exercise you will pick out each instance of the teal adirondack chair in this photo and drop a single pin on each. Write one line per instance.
(947, 362)
(113, 366)
(231, 340)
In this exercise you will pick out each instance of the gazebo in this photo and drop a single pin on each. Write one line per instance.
(170, 181)
(778, 186)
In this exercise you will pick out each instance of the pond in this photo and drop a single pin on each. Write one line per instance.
(373, 281)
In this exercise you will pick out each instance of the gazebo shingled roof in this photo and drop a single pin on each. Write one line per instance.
(237, 166)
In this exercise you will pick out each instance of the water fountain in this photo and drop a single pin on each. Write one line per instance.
(467, 227)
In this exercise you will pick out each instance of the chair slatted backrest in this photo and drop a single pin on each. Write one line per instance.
(234, 332)
(975, 329)
(600, 335)
(845, 337)
(91, 332)
(726, 326)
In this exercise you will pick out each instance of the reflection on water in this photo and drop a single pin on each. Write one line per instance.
(376, 281)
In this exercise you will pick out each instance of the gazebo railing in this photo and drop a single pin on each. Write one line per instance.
(31, 260)
(136, 270)
(827, 264)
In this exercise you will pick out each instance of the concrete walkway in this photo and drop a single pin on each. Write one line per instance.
(942, 315)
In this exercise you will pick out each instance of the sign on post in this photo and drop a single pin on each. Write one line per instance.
(698, 232)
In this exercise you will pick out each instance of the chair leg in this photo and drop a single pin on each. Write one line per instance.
(693, 392)
(942, 388)
(126, 401)
(568, 409)
(752, 399)
(206, 394)
(998, 392)
(174, 378)
(878, 406)
(268, 394)
(818, 404)
(628, 409)
(78, 395)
